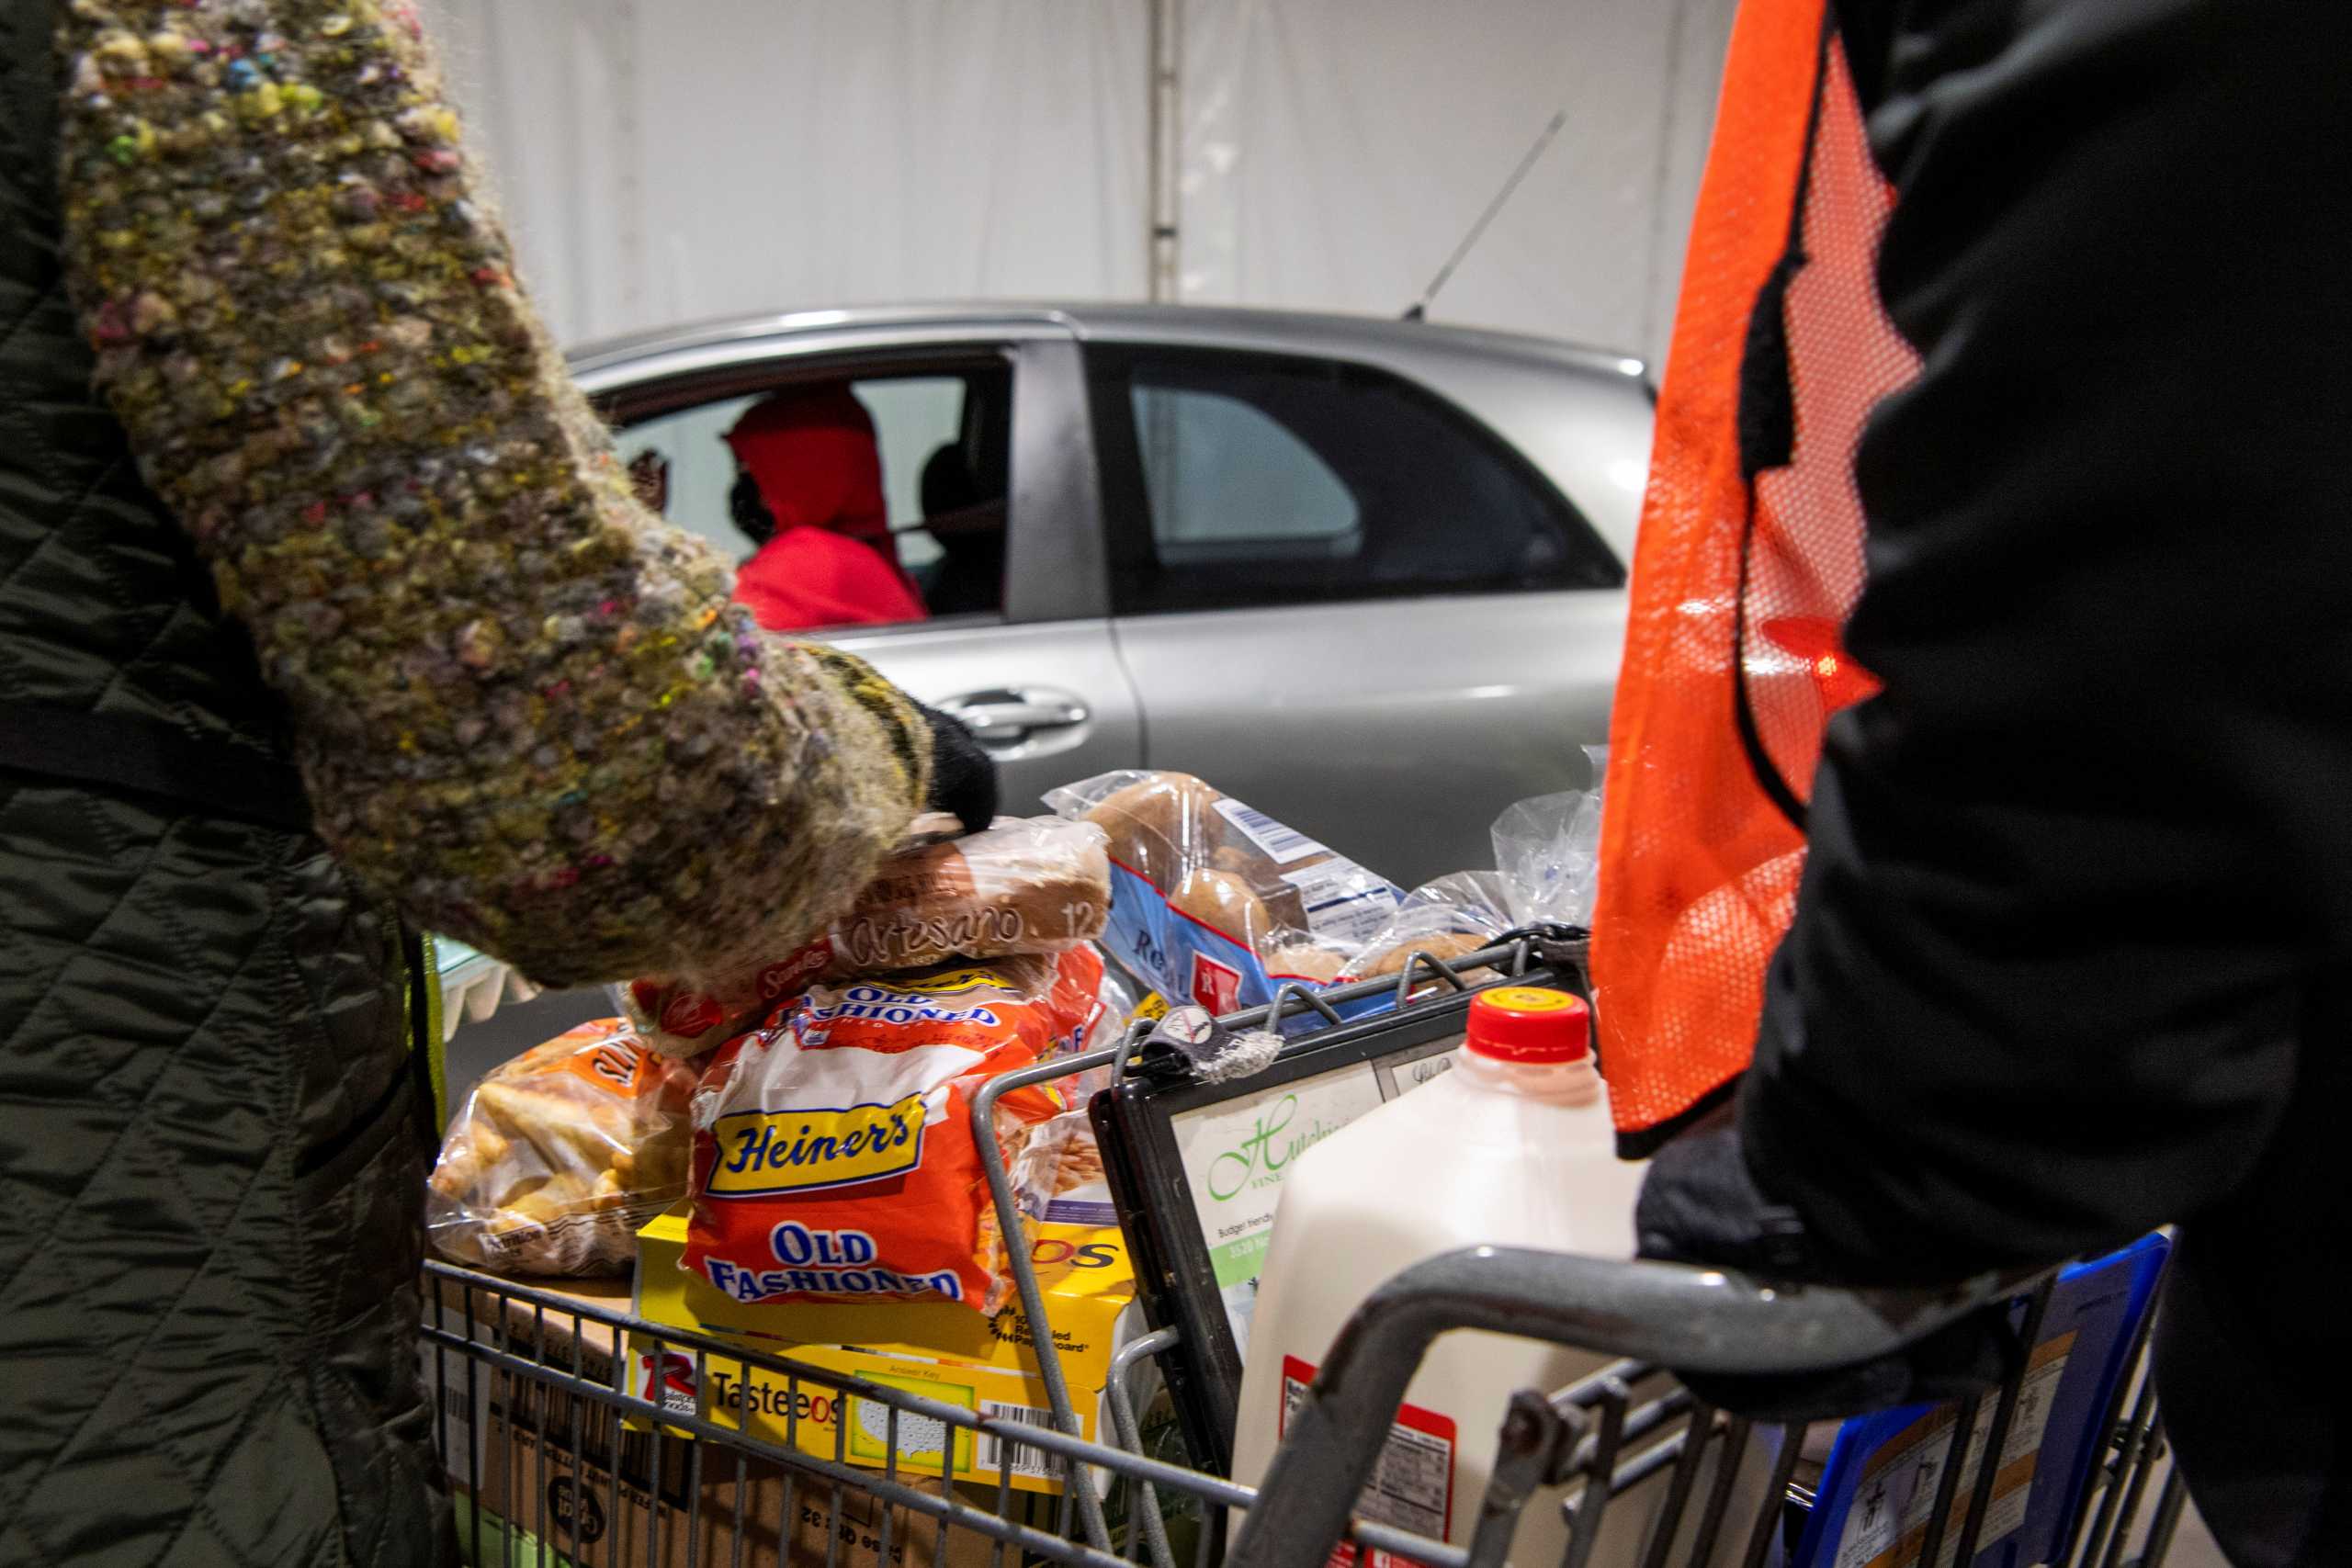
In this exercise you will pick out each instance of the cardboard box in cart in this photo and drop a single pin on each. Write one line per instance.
(561, 1482)
(573, 1507)
(939, 1351)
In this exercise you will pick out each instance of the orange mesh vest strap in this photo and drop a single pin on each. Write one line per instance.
(1748, 561)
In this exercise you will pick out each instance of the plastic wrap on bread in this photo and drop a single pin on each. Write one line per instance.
(1448, 919)
(1023, 886)
(1216, 902)
(560, 1154)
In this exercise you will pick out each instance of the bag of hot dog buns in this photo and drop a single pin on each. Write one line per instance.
(1020, 886)
(559, 1155)
(834, 1155)
(1216, 903)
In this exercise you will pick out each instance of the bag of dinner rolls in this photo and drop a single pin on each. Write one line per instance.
(1215, 902)
(1021, 886)
(559, 1155)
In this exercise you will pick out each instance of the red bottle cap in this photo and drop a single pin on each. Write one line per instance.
(1528, 1023)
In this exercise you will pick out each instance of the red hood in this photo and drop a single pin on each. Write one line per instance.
(813, 453)
(832, 561)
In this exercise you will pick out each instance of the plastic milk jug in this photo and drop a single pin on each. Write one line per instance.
(1514, 1147)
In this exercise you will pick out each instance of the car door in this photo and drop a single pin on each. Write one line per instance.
(986, 459)
(1346, 601)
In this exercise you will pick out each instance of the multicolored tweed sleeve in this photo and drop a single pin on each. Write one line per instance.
(526, 708)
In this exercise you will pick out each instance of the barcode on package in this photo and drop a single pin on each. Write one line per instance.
(990, 1452)
(1282, 844)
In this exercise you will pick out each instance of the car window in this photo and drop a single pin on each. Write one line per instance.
(1239, 479)
(913, 417)
(941, 441)
(1222, 478)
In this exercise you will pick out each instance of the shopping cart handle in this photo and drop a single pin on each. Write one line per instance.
(1694, 1319)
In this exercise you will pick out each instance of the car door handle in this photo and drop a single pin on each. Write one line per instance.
(1009, 717)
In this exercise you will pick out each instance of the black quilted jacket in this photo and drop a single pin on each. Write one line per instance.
(212, 1151)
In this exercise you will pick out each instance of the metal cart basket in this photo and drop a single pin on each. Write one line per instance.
(563, 1447)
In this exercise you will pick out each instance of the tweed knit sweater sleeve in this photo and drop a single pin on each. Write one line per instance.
(524, 707)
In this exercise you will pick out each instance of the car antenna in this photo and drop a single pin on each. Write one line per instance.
(1419, 308)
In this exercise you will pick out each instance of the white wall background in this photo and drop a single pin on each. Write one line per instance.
(667, 159)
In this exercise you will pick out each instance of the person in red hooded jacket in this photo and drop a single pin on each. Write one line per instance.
(808, 492)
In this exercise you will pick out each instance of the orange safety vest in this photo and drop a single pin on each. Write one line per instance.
(1748, 562)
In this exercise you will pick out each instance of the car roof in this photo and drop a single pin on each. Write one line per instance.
(1206, 325)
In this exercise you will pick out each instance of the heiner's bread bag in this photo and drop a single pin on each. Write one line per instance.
(560, 1154)
(1022, 885)
(834, 1149)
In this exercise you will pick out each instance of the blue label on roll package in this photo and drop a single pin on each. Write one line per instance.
(1187, 961)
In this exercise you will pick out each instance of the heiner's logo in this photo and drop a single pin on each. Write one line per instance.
(797, 1151)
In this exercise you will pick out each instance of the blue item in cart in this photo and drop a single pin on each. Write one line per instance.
(1186, 960)
(1883, 1471)
(1216, 903)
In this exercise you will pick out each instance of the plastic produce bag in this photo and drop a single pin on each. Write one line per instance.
(1455, 915)
(1547, 855)
(1023, 885)
(833, 1152)
(1215, 902)
(559, 1155)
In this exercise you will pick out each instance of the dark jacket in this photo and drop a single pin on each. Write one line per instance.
(212, 1182)
(2072, 957)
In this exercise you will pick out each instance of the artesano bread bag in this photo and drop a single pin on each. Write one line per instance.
(834, 1149)
(1035, 886)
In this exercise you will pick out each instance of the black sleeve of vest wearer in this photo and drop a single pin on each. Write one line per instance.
(2078, 875)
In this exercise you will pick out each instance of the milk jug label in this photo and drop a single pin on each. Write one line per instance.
(1412, 1483)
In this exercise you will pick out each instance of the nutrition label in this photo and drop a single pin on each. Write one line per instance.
(1344, 902)
(1412, 1483)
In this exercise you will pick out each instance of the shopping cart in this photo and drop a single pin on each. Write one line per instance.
(578, 1432)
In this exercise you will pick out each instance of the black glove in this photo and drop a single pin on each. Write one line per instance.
(963, 775)
(1701, 1204)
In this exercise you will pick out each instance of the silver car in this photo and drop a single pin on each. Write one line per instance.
(1367, 575)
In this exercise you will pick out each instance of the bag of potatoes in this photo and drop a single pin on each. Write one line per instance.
(561, 1154)
(1216, 902)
